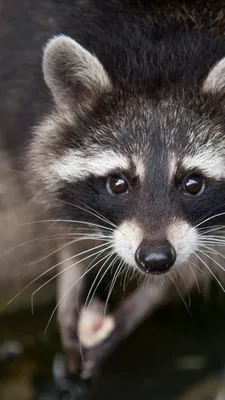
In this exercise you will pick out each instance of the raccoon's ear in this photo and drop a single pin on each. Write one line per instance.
(215, 81)
(75, 77)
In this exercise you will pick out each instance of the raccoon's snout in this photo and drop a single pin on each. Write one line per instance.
(155, 258)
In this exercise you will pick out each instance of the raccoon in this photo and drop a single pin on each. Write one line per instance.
(120, 138)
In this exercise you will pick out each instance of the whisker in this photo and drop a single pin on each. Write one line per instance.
(180, 294)
(213, 228)
(67, 221)
(58, 249)
(186, 287)
(213, 242)
(148, 281)
(214, 245)
(89, 265)
(205, 215)
(212, 259)
(213, 251)
(79, 279)
(213, 238)
(88, 298)
(61, 272)
(31, 241)
(114, 273)
(119, 268)
(195, 278)
(125, 277)
(92, 212)
(211, 272)
(197, 267)
(49, 254)
(208, 219)
(141, 278)
(51, 268)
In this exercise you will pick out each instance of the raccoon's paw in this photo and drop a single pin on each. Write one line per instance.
(94, 325)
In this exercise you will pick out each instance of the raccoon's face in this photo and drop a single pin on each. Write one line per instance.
(148, 173)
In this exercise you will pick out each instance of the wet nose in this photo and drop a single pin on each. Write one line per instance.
(155, 258)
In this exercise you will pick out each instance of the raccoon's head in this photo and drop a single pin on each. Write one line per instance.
(146, 168)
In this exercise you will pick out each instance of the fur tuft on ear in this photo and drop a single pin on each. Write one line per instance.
(215, 81)
(75, 77)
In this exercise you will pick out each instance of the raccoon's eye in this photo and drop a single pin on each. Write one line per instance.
(117, 184)
(193, 185)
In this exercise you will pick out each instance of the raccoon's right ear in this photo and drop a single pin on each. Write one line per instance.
(75, 77)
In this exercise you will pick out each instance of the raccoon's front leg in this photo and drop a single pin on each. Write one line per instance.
(70, 289)
(130, 313)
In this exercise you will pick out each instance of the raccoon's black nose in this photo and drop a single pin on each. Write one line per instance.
(155, 259)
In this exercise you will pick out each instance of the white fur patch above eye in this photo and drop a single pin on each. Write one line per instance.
(139, 167)
(126, 239)
(207, 162)
(215, 81)
(172, 166)
(75, 166)
(184, 239)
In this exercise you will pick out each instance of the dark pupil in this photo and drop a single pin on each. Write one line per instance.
(193, 185)
(118, 184)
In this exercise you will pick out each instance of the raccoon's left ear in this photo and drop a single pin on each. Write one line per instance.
(215, 81)
(75, 77)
